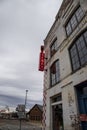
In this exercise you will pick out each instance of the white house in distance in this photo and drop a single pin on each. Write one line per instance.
(65, 72)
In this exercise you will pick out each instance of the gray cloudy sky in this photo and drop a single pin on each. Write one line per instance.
(24, 25)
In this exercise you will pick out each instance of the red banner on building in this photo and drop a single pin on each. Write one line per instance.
(41, 59)
(83, 117)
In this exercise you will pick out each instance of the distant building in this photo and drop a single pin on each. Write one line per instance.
(35, 113)
(5, 115)
(65, 73)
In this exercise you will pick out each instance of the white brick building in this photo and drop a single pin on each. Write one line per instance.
(65, 75)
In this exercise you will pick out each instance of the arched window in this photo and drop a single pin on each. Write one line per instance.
(55, 73)
(78, 52)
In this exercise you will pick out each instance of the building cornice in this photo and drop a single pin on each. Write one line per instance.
(63, 7)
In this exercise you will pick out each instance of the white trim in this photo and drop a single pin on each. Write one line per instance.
(56, 103)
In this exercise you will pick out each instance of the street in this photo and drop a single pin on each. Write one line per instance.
(15, 125)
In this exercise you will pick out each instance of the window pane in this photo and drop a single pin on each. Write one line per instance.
(53, 79)
(57, 98)
(74, 57)
(68, 29)
(57, 76)
(82, 50)
(75, 63)
(73, 22)
(56, 44)
(79, 14)
(78, 52)
(85, 35)
(55, 73)
(85, 90)
(53, 48)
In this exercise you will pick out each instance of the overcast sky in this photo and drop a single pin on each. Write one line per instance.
(24, 25)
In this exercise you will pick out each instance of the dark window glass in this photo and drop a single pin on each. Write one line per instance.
(85, 35)
(55, 73)
(68, 29)
(85, 90)
(74, 57)
(78, 52)
(79, 14)
(53, 48)
(74, 21)
(82, 50)
(57, 98)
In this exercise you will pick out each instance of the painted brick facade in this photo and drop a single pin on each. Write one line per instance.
(69, 79)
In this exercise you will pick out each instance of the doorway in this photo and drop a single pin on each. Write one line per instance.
(57, 117)
(82, 103)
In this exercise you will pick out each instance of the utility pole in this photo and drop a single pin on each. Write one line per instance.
(26, 100)
(20, 124)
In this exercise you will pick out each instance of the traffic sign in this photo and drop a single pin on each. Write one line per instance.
(21, 115)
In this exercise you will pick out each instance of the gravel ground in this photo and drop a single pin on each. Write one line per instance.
(15, 125)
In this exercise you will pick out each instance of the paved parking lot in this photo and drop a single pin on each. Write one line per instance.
(15, 125)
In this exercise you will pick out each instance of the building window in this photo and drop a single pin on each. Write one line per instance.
(55, 73)
(38, 118)
(79, 14)
(74, 21)
(53, 47)
(57, 98)
(78, 52)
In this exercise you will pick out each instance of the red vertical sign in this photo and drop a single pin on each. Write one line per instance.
(41, 59)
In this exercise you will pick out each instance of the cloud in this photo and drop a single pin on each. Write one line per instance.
(13, 101)
(24, 25)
